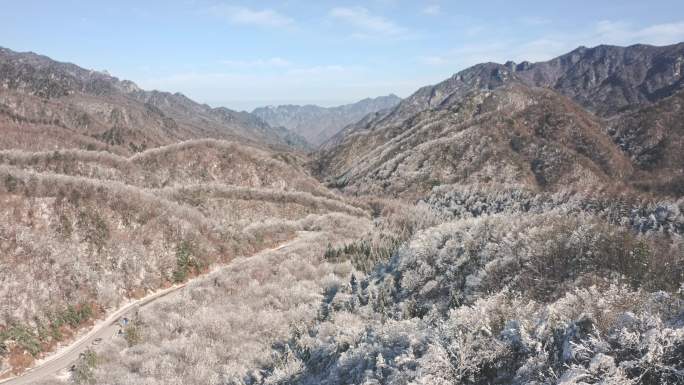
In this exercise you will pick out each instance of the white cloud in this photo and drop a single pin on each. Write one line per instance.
(274, 62)
(246, 16)
(323, 70)
(432, 10)
(539, 49)
(475, 30)
(363, 20)
(603, 32)
(552, 45)
(534, 21)
(616, 32)
(433, 60)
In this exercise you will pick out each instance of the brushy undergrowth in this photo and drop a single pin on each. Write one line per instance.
(84, 228)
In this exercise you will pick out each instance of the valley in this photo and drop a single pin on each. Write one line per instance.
(512, 224)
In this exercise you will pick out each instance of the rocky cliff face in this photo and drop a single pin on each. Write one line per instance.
(45, 104)
(653, 138)
(318, 124)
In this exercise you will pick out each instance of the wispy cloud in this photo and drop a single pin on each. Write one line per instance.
(475, 30)
(274, 62)
(617, 32)
(534, 21)
(552, 45)
(324, 70)
(433, 60)
(246, 16)
(365, 22)
(603, 32)
(432, 10)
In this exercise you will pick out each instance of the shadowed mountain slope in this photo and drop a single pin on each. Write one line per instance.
(653, 137)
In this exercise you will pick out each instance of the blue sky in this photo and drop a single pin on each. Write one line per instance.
(243, 54)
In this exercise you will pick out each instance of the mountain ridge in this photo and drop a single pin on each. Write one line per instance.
(645, 77)
(71, 107)
(578, 65)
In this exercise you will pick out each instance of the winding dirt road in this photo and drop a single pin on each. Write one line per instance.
(66, 357)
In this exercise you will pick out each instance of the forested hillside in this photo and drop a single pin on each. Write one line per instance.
(513, 224)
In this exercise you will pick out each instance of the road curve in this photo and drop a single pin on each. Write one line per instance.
(69, 355)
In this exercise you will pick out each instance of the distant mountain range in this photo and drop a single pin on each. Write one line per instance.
(45, 104)
(595, 116)
(318, 124)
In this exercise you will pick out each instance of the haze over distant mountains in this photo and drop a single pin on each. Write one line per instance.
(318, 124)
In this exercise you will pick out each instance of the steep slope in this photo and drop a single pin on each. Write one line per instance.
(653, 137)
(605, 79)
(83, 231)
(318, 124)
(45, 104)
(620, 85)
(164, 197)
(514, 135)
(608, 79)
